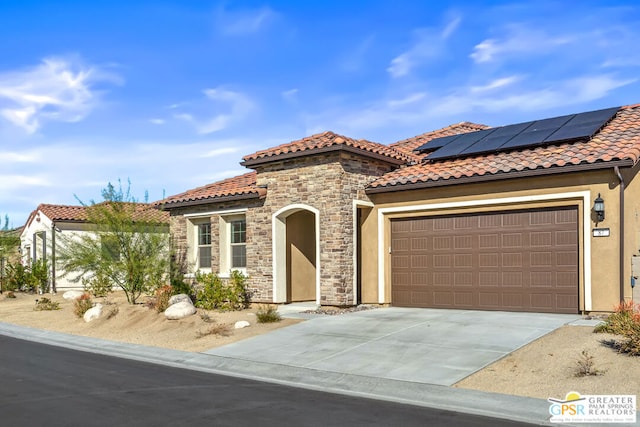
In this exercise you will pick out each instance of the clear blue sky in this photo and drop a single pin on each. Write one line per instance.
(171, 94)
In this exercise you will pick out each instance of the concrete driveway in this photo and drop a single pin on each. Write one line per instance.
(428, 346)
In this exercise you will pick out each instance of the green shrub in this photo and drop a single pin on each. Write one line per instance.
(624, 321)
(45, 304)
(40, 276)
(17, 277)
(82, 304)
(631, 345)
(267, 314)
(28, 279)
(98, 285)
(216, 295)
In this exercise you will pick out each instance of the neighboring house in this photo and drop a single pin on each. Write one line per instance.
(49, 225)
(465, 217)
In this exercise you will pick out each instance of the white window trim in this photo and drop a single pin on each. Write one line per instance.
(586, 226)
(194, 254)
(225, 243)
(221, 213)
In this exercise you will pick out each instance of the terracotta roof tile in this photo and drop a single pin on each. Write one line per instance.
(71, 213)
(243, 186)
(618, 140)
(327, 140)
(410, 144)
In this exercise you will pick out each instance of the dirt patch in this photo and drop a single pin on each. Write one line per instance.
(138, 324)
(547, 367)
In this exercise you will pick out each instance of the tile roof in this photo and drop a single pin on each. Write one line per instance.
(326, 141)
(238, 187)
(618, 140)
(410, 144)
(143, 211)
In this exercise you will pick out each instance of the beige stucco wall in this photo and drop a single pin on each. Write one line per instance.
(301, 257)
(603, 263)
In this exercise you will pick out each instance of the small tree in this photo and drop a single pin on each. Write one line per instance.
(9, 243)
(130, 245)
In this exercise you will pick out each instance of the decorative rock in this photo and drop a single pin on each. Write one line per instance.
(72, 295)
(180, 310)
(93, 313)
(242, 324)
(179, 298)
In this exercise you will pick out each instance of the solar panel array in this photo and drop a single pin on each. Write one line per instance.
(574, 127)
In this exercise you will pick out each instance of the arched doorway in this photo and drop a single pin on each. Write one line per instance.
(296, 254)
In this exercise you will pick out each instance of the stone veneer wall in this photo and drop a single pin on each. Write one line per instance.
(328, 182)
(178, 227)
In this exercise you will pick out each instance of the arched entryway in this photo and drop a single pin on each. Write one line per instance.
(296, 254)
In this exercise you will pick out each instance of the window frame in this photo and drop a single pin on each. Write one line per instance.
(199, 246)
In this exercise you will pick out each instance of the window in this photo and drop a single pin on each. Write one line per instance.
(204, 245)
(238, 243)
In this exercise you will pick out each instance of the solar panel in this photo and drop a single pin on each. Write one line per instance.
(532, 137)
(528, 134)
(459, 144)
(498, 138)
(602, 116)
(436, 143)
(574, 132)
(583, 125)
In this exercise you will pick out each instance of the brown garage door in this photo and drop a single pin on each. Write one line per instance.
(512, 261)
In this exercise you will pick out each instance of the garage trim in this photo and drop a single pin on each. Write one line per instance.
(586, 209)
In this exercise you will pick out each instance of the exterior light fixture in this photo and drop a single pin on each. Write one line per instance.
(598, 208)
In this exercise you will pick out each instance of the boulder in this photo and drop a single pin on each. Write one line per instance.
(242, 324)
(93, 313)
(179, 298)
(180, 310)
(72, 295)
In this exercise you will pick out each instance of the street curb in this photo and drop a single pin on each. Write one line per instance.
(515, 408)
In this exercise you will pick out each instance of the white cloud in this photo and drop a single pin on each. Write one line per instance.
(429, 45)
(238, 105)
(243, 22)
(519, 40)
(502, 97)
(496, 84)
(55, 90)
(220, 151)
(157, 121)
(290, 95)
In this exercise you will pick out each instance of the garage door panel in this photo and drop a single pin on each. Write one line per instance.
(516, 260)
(488, 278)
(512, 278)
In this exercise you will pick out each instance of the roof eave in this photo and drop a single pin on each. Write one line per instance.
(209, 200)
(500, 176)
(303, 153)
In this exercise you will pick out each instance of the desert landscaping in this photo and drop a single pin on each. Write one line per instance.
(548, 367)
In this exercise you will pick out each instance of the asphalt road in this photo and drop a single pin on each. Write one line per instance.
(43, 385)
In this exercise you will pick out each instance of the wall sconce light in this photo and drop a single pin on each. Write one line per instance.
(598, 208)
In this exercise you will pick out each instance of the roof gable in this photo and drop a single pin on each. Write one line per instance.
(323, 142)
